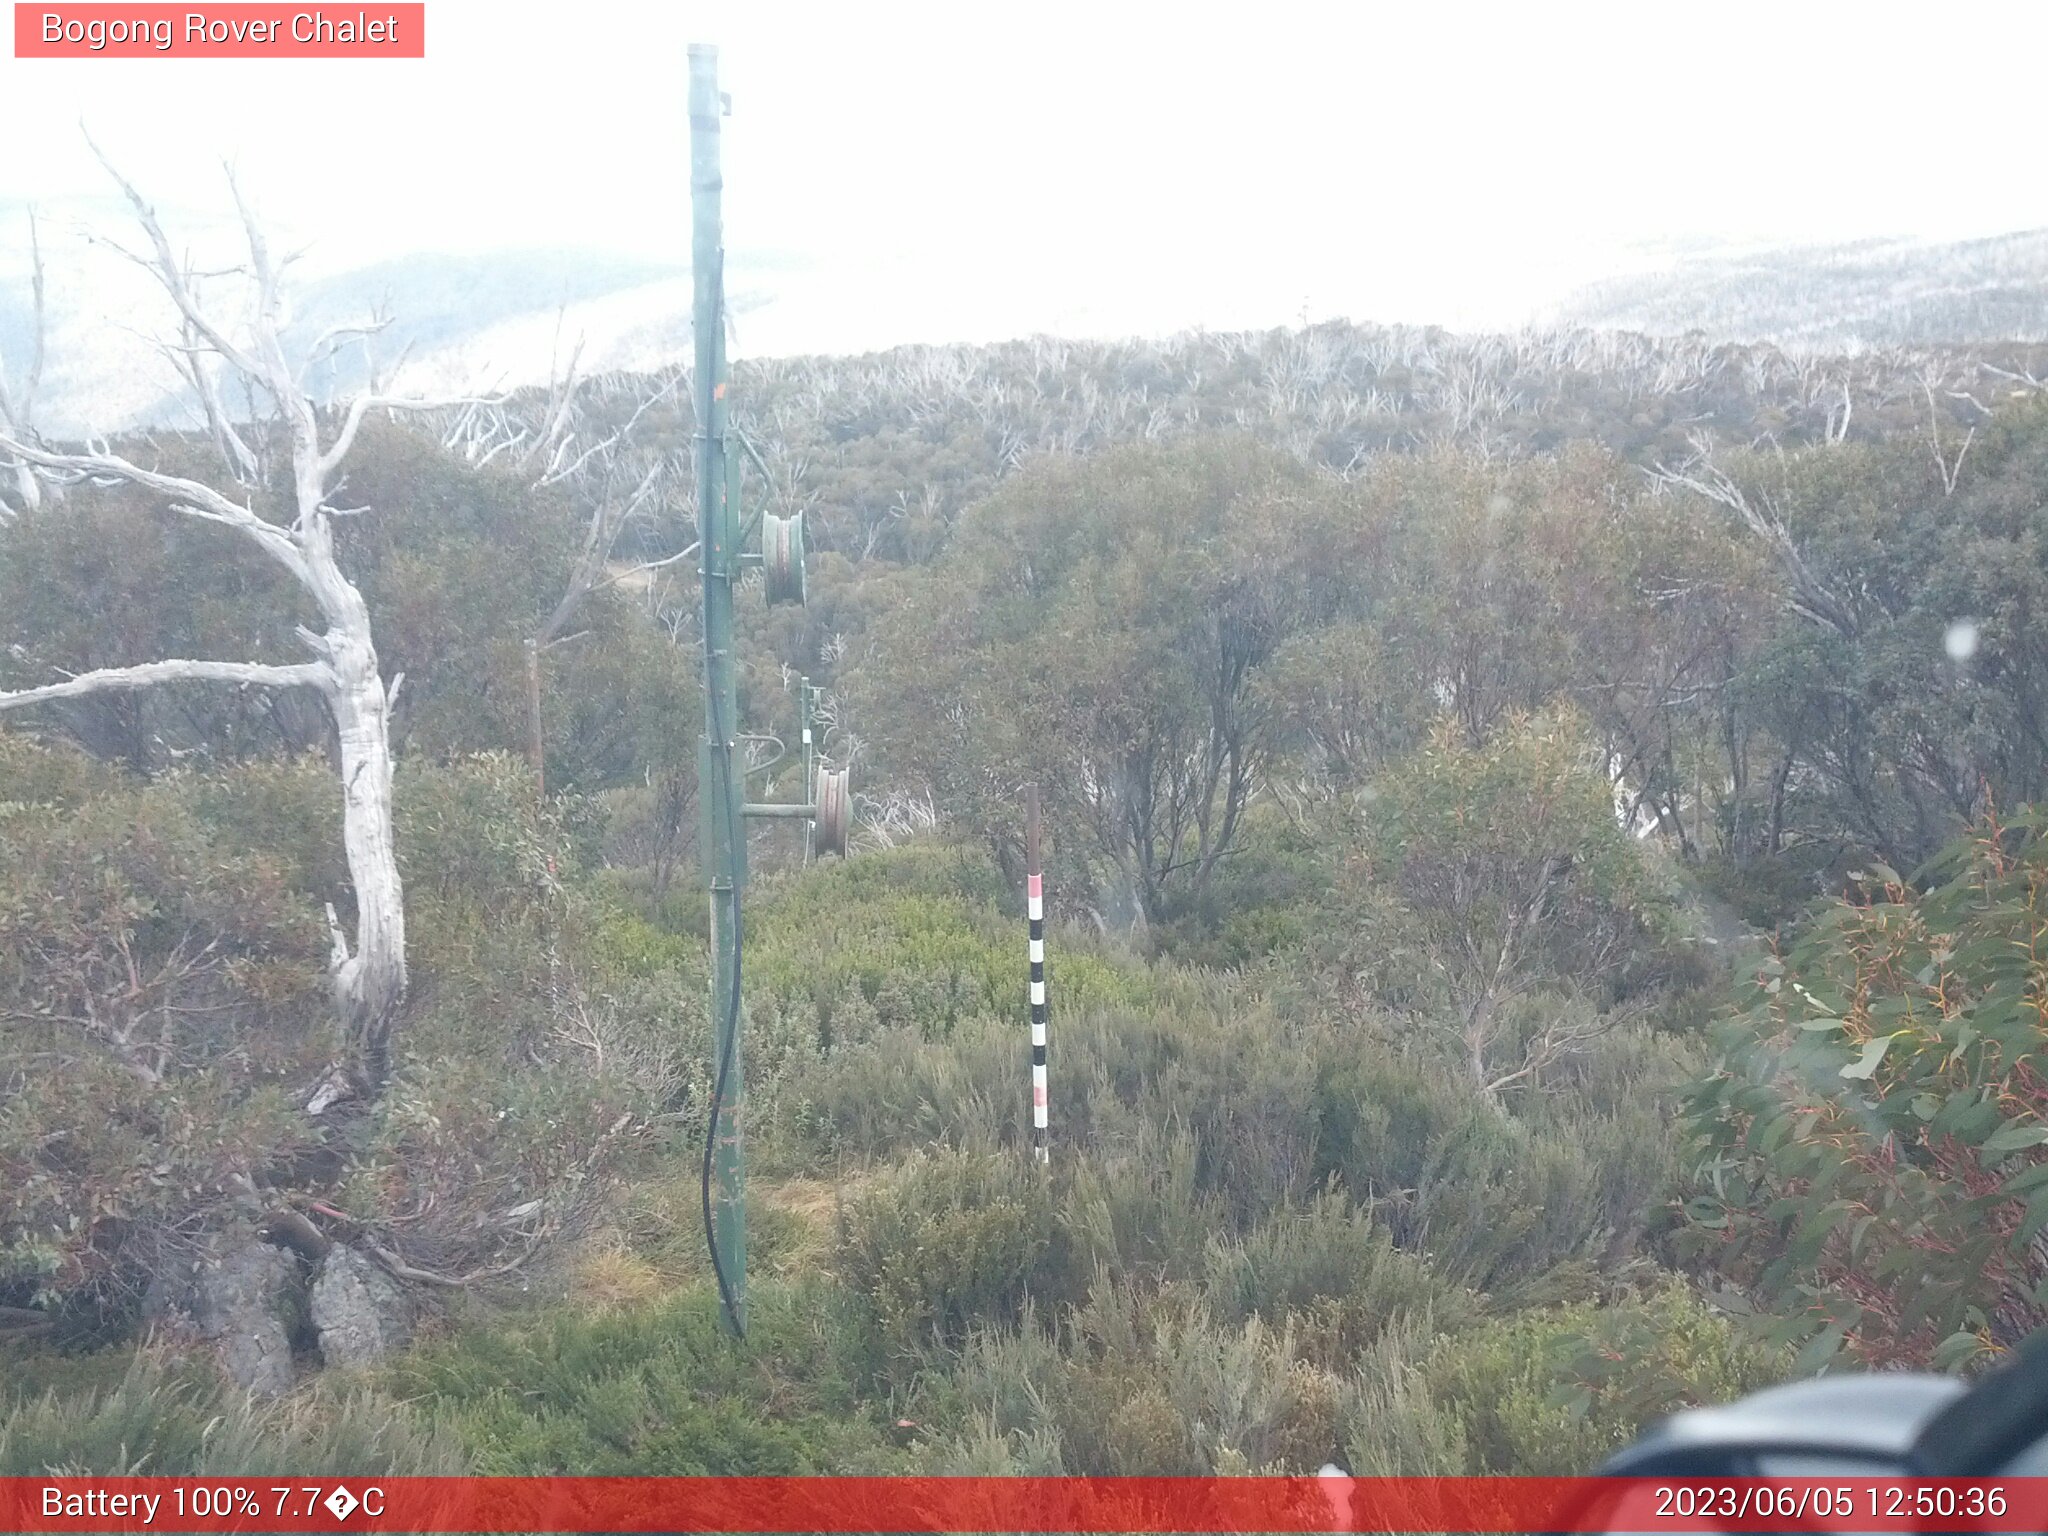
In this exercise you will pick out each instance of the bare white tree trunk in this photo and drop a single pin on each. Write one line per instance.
(370, 983)
(369, 976)
(17, 408)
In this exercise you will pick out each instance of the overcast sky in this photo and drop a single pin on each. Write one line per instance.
(1157, 165)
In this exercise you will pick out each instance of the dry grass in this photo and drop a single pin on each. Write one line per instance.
(610, 1277)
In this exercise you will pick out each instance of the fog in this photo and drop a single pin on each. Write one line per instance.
(925, 172)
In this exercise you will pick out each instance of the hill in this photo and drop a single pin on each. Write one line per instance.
(1850, 297)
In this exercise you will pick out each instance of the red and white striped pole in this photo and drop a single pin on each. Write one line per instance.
(1034, 911)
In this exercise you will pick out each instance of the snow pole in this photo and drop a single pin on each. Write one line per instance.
(1034, 912)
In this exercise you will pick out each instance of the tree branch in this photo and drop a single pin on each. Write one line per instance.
(152, 673)
(171, 274)
(191, 497)
(367, 402)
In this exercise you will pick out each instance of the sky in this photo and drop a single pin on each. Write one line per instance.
(970, 170)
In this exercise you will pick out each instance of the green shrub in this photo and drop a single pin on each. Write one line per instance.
(1334, 1272)
(163, 1003)
(947, 1241)
(167, 1420)
(659, 1391)
(1873, 1132)
(1546, 1392)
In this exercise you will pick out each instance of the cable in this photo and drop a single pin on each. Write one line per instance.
(727, 1048)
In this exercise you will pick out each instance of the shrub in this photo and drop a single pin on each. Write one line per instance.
(162, 1003)
(659, 1391)
(1334, 1272)
(1874, 1128)
(171, 1421)
(1548, 1392)
(947, 1241)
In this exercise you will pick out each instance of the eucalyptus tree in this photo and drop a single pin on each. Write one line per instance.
(288, 511)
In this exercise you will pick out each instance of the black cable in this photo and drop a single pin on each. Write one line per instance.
(722, 752)
(727, 1047)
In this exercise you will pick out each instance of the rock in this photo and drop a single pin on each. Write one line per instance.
(241, 1305)
(362, 1314)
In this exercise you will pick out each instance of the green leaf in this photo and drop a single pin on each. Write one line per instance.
(2032, 1222)
(1821, 1349)
(1873, 1053)
(2014, 1137)
(1956, 1350)
(2031, 1177)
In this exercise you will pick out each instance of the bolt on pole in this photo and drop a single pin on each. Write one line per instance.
(721, 787)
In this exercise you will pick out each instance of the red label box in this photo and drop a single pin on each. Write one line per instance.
(229, 31)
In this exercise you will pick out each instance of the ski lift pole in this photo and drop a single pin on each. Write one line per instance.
(720, 785)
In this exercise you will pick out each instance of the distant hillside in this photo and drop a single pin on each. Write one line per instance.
(503, 318)
(1875, 293)
(882, 450)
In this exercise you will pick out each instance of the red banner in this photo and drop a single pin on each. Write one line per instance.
(1043, 1504)
(230, 31)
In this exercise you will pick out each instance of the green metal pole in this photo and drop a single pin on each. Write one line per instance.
(720, 785)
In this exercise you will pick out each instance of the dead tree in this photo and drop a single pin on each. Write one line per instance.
(367, 971)
(1806, 593)
(17, 408)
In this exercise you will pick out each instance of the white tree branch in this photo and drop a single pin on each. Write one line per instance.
(168, 271)
(150, 673)
(365, 403)
(191, 497)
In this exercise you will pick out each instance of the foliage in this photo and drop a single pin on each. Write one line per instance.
(159, 992)
(1547, 1392)
(1872, 1130)
(165, 1420)
(948, 1239)
(1355, 681)
(1098, 629)
(657, 1392)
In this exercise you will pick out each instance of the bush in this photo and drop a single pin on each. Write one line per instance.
(1334, 1272)
(1546, 1393)
(1138, 1382)
(947, 1241)
(167, 1420)
(659, 1391)
(161, 988)
(1873, 1133)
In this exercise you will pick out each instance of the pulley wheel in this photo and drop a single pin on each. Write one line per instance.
(835, 811)
(782, 557)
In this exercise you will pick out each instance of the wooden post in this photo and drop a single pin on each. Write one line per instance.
(536, 734)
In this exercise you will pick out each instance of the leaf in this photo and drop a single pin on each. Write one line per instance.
(2014, 1137)
(2032, 1222)
(1956, 1350)
(1820, 1350)
(1873, 1053)
(2031, 1177)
